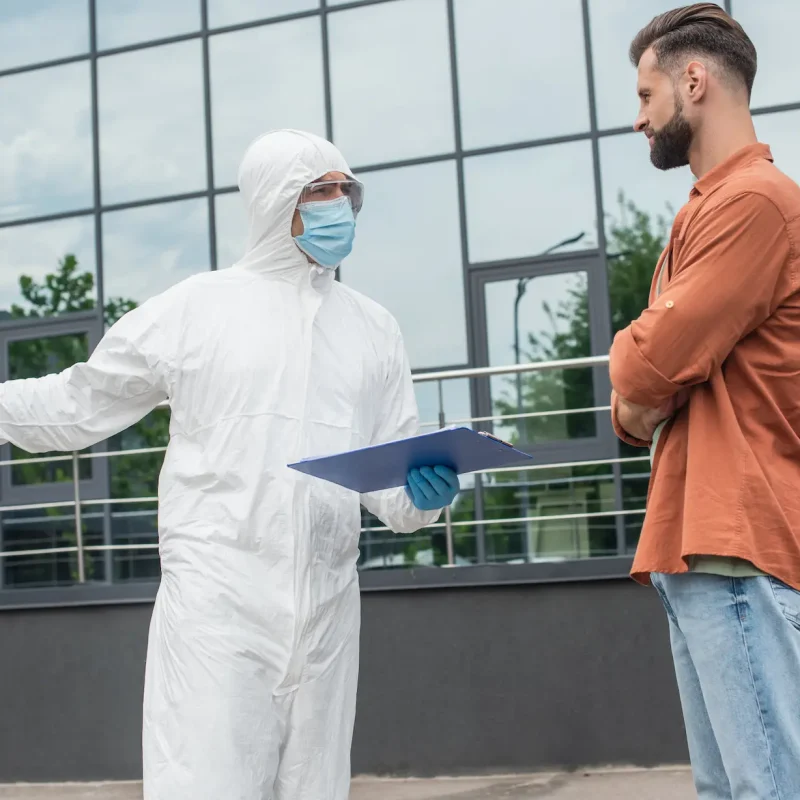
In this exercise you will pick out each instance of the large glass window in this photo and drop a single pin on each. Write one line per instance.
(231, 229)
(780, 132)
(146, 250)
(614, 23)
(391, 84)
(506, 51)
(629, 179)
(235, 12)
(34, 356)
(50, 528)
(32, 31)
(123, 22)
(252, 91)
(45, 141)
(527, 202)
(640, 203)
(773, 29)
(540, 318)
(407, 256)
(152, 134)
(47, 268)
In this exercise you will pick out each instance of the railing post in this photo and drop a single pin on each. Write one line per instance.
(76, 486)
(448, 516)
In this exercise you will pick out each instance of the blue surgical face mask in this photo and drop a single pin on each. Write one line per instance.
(329, 229)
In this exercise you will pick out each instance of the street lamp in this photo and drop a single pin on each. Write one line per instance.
(522, 285)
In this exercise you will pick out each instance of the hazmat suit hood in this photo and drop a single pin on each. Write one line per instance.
(273, 172)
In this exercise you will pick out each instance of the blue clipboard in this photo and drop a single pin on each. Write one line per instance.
(386, 466)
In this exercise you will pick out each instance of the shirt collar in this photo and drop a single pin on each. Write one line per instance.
(739, 159)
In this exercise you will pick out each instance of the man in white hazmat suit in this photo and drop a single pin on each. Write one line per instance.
(252, 661)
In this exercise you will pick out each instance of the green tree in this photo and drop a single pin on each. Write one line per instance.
(66, 290)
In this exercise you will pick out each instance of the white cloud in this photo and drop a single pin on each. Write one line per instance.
(122, 22)
(35, 250)
(32, 31)
(523, 202)
(152, 130)
(233, 12)
(146, 250)
(45, 142)
(264, 78)
(522, 73)
(390, 81)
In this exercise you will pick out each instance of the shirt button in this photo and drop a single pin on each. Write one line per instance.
(669, 303)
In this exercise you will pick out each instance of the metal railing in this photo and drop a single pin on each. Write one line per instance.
(80, 548)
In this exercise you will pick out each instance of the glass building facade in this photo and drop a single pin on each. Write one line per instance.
(511, 216)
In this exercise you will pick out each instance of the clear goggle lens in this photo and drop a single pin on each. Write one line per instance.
(323, 191)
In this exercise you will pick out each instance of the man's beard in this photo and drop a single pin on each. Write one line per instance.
(671, 144)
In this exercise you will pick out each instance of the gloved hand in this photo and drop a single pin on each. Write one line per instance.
(431, 488)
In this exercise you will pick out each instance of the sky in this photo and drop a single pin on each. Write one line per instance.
(521, 71)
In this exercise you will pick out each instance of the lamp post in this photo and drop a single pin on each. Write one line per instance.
(522, 285)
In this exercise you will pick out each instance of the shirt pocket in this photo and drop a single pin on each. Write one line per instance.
(788, 600)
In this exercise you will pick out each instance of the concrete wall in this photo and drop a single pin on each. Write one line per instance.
(452, 681)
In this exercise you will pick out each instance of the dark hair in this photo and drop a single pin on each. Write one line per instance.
(701, 29)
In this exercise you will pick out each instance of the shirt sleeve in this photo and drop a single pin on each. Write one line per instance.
(399, 419)
(732, 275)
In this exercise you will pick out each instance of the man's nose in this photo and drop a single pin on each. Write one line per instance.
(640, 123)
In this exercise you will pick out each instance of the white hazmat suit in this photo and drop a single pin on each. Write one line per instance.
(252, 662)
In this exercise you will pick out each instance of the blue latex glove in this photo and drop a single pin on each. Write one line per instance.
(431, 488)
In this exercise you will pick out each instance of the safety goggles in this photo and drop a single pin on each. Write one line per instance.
(323, 191)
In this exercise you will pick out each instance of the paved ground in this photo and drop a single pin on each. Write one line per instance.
(662, 784)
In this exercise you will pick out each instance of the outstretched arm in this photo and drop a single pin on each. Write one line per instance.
(124, 378)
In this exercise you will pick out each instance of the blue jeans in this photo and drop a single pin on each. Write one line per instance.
(736, 648)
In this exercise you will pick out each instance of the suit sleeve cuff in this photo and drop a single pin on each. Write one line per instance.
(634, 377)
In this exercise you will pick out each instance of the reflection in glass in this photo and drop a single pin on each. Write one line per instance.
(233, 12)
(135, 475)
(508, 93)
(50, 528)
(531, 497)
(640, 203)
(635, 483)
(382, 549)
(628, 177)
(773, 29)
(123, 22)
(252, 91)
(152, 136)
(32, 31)
(45, 142)
(35, 358)
(391, 101)
(231, 229)
(541, 318)
(61, 252)
(780, 132)
(613, 24)
(455, 403)
(407, 257)
(526, 202)
(146, 250)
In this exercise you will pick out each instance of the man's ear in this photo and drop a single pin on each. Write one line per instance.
(696, 81)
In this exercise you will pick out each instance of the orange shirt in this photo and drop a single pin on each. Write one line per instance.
(726, 472)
